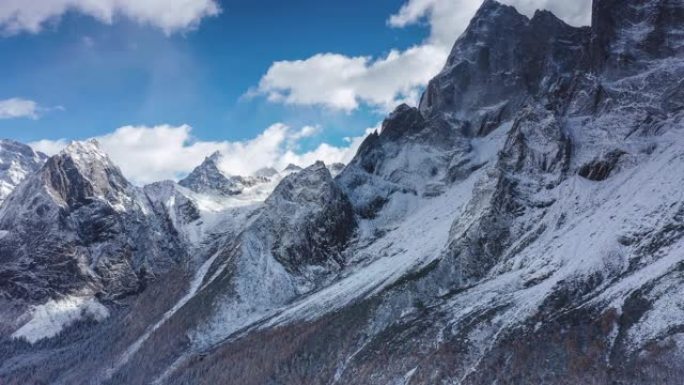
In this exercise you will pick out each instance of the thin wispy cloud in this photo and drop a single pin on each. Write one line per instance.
(19, 108)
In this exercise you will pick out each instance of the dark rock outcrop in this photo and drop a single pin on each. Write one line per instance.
(78, 225)
(17, 161)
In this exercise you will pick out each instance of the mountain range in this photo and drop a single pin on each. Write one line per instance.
(524, 224)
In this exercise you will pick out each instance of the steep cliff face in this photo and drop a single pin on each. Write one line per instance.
(78, 226)
(17, 161)
(523, 225)
(547, 270)
(503, 60)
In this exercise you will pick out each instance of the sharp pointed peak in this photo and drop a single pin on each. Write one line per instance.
(318, 164)
(292, 167)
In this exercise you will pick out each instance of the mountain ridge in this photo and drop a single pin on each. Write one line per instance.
(522, 225)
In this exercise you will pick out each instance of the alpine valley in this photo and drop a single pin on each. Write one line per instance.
(523, 225)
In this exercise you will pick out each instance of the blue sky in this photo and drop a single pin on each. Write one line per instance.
(219, 74)
(106, 76)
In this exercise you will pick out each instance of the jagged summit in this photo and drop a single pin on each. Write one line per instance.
(626, 35)
(208, 178)
(524, 225)
(90, 230)
(266, 172)
(17, 161)
(8, 147)
(292, 168)
(87, 147)
(502, 59)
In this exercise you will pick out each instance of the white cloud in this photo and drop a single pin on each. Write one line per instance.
(344, 83)
(148, 154)
(169, 15)
(18, 108)
(341, 82)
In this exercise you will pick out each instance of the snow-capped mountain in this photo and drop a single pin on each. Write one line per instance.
(523, 225)
(208, 178)
(17, 160)
(78, 227)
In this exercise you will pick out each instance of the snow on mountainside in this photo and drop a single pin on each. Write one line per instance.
(525, 224)
(76, 227)
(17, 161)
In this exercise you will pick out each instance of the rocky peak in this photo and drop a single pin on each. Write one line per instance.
(208, 178)
(86, 226)
(501, 60)
(301, 183)
(311, 217)
(266, 172)
(403, 121)
(292, 168)
(82, 172)
(17, 161)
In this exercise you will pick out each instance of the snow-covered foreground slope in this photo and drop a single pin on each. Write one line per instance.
(525, 224)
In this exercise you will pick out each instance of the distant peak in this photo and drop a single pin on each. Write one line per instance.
(545, 18)
(266, 172)
(14, 146)
(292, 168)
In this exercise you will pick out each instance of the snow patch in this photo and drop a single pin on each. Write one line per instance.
(50, 318)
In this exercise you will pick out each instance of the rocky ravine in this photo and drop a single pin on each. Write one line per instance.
(524, 225)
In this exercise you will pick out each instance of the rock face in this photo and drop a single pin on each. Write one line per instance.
(208, 178)
(501, 60)
(77, 225)
(626, 35)
(311, 220)
(17, 160)
(524, 225)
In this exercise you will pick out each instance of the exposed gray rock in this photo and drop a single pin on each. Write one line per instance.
(77, 225)
(208, 178)
(17, 161)
(501, 61)
(467, 241)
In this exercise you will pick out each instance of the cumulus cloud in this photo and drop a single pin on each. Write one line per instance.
(341, 82)
(149, 154)
(19, 108)
(344, 83)
(18, 16)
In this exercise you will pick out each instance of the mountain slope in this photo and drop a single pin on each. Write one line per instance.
(17, 161)
(524, 224)
(562, 263)
(76, 230)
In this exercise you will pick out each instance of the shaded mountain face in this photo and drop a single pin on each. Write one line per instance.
(78, 226)
(502, 60)
(523, 225)
(626, 35)
(208, 178)
(17, 161)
